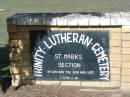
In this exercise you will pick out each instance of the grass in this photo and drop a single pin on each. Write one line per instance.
(15, 6)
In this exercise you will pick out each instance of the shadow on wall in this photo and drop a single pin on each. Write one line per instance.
(5, 79)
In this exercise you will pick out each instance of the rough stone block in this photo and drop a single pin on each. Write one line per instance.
(73, 20)
(115, 71)
(115, 77)
(125, 44)
(52, 21)
(126, 72)
(90, 83)
(115, 30)
(25, 56)
(104, 28)
(26, 62)
(15, 82)
(115, 19)
(126, 65)
(25, 49)
(126, 58)
(47, 82)
(94, 21)
(94, 28)
(105, 20)
(125, 36)
(23, 29)
(21, 44)
(12, 28)
(14, 56)
(115, 64)
(115, 35)
(125, 86)
(113, 84)
(14, 70)
(105, 84)
(27, 81)
(115, 50)
(115, 57)
(114, 43)
(83, 20)
(70, 83)
(16, 77)
(125, 79)
(26, 72)
(125, 18)
(13, 43)
(126, 50)
(125, 28)
(15, 63)
(62, 21)
(19, 35)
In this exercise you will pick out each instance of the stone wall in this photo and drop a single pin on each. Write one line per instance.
(125, 75)
(117, 24)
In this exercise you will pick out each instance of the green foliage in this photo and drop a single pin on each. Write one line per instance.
(4, 61)
(4, 71)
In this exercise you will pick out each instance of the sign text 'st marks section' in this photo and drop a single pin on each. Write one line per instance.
(70, 55)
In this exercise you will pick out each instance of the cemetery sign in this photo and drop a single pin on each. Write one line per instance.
(70, 55)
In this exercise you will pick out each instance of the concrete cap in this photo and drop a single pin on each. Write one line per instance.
(71, 19)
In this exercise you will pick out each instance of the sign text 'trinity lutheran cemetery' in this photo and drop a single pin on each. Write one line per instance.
(70, 55)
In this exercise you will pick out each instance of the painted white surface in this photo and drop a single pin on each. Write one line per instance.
(62, 21)
(73, 20)
(105, 20)
(116, 18)
(52, 22)
(83, 20)
(125, 16)
(94, 21)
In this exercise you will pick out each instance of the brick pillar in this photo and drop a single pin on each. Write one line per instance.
(125, 77)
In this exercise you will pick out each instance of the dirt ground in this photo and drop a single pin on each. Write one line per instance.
(60, 91)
